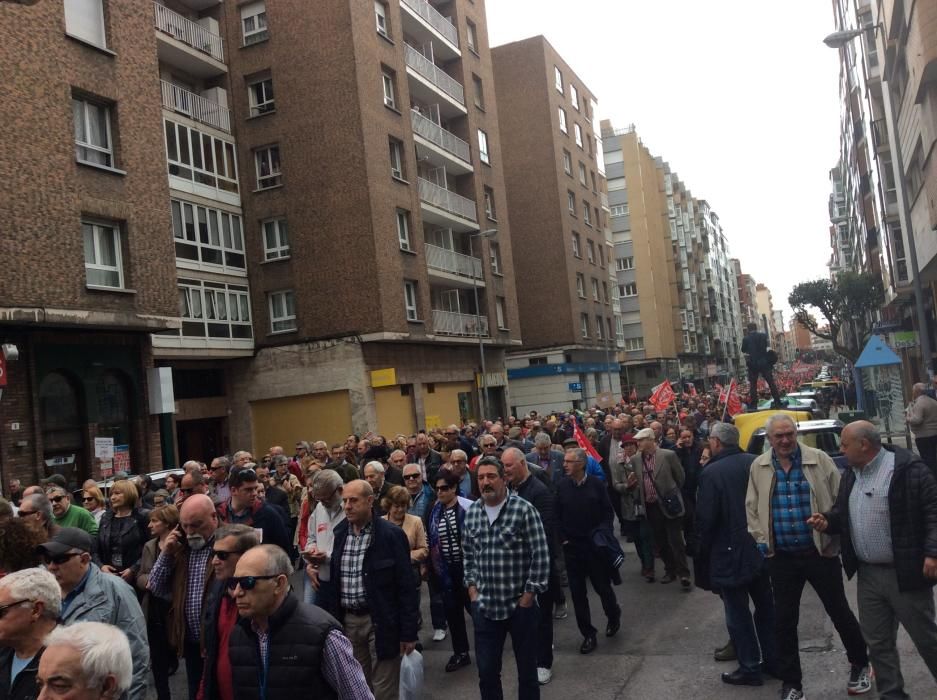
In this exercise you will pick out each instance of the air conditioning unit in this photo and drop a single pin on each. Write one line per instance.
(211, 24)
(217, 95)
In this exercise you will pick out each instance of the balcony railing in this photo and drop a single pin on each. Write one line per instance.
(450, 261)
(446, 140)
(188, 32)
(436, 21)
(450, 201)
(436, 75)
(195, 106)
(452, 323)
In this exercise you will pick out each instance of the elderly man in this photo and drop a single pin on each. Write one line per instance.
(421, 493)
(429, 459)
(546, 458)
(182, 573)
(320, 452)
(31, 600)
(374, 475)
(36, 511)
(192, 483)
(92, 660)
(658, 476)
(611, 451)
(218, 486)
(396, 461)
(786, 485)
(886, 516)
(88, 594)
(372, 590)
(64, 514)
(348, 472)
(468, 483)
(241, 458)
(727, 560)
(922, 419)
(327, 489)
(282, 646)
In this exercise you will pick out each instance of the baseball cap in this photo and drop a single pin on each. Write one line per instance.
(645, 434)
(54, 479)
(67, 538)
(570, 442)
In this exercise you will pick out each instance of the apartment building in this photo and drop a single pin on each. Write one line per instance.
(89, 267)
(557, 198)
(746, 292)
(677, 288)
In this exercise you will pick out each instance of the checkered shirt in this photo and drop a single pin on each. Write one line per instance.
(507, 558)
(790, 506)
(160, 584)
(869, 515)
(352, 584)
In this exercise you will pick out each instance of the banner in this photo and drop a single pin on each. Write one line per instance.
(733, 402)
(584, 443)
(662, 396)
(634, 394)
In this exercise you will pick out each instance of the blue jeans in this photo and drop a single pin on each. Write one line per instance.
(489, 650)
(309, 593)
(753, 638)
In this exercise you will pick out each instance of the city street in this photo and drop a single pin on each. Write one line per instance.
(664, 650)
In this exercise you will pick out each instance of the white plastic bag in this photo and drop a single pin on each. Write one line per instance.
(411, 676)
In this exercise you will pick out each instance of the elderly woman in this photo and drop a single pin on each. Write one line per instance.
(122, 533)
(93, 501)
(396, 503)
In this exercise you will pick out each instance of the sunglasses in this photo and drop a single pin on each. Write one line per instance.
(411, 477)
(88, 499)
(4, 608)
(59, 559)
(24, 513)
(222, 555)
(57, 499)
(444, 487)
(247, 583)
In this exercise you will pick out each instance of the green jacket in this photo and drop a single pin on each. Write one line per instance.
(78, 517)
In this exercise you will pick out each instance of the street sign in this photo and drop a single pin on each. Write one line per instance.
(575, 386)
(104, 448)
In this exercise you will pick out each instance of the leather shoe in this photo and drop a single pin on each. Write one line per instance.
(588, 645)
(726, 653)
(613, 627)
(740, 677)
(668, 578)
(457, 661)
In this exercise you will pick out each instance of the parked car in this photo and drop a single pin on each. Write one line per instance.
(749, 423)
(821, 434)
(158, 477)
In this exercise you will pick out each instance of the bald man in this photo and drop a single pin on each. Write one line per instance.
(183, 573)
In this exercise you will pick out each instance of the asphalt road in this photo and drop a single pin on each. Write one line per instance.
(664, 650)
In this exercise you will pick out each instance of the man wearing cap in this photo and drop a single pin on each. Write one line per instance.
(90, 595)
(67, 515)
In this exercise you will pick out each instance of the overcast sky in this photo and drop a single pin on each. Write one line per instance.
(739, 96)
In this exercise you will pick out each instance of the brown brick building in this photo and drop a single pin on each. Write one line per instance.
(557, 199)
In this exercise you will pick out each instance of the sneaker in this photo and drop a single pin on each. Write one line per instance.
(560, 612)
(439, 635)
(789, 692)
(860, 680)
(544, 675)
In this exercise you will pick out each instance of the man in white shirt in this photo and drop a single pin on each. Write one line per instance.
(327, 490)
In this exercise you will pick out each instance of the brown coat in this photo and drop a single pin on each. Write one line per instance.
(668, 475)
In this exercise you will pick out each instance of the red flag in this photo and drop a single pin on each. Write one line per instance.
(693, 391)
(662, 396)
(634, 393)
(584, 443)
(733, 402)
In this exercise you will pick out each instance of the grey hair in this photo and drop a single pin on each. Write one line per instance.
(35, 584)
(280, 459)
(240, 453)
(40, 502)
(376, 466)
(778, 418)
(328, 478)
(222, 462)
(455, 452)
(869, 433)
(542, 439)
(278, 561)
(519, 454)
(579, 453)
(246, 535)
(725, 433)
(104, 652)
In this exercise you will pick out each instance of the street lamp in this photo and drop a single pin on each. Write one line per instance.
(838, 40)
(483, 384)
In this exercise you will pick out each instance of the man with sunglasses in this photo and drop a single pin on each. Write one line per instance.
(192, 483)
(67, 515)
(90, 595)
(218, 486)
(36, 511)
(243, 507)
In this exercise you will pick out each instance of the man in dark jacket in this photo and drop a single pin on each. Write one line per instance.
(371, 589)
(243, 507)
(305, 647)
(886, 516)
(728, 561)
(755, 348)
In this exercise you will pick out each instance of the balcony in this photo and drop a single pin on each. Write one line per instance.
(432, 82)
(450, 262)
(424, 23)
(446, 208)
(456, 324)
(440, 147)
(195, 106)
(195, 47)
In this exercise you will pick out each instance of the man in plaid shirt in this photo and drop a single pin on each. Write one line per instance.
(507, 563)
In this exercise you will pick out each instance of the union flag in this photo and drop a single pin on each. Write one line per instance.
(662, 396)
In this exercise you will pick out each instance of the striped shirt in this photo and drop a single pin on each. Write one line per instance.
(869, 516)
(650, 488)
(449, 536)
(790, 506)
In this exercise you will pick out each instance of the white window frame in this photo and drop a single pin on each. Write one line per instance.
(411, 300)
(571, 203)
(577, 246)
(586, 213)
(499, 314)
(562, 117)
(494, 253)
(216, 235)
(584, 325)
(261, 104)
(490, 211)
(590, 251)
(395, 150)
(83, 138)
(483, 154)
(577, 130)
(284, 322)
(84, 20)
(574, 96)
(582, 174)
(390, 92)
(618, 210)
(567, 162)
(471, 36)
(595, 289)
(605, 292)
(581, 285)
(627, 290)
(403, 230)
(599, 329)
(99, 230)
(280, 250)
(256, 14)
(558, 79)
(214, 303)
(625, 263)
(222, 175)
(264, 157)
(380, 19)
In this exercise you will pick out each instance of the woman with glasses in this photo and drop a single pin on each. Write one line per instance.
(93, 501)
(163, 657)
(446, 565)
(122, 533)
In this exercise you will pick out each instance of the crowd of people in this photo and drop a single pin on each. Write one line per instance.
(265, 575)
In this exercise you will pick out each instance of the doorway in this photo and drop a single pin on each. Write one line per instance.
(201, 440)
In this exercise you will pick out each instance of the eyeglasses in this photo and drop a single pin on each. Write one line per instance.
(59, 559)
(57, 499)
(410, 477)
(247, 583)
(444, 487)
(24, 513)
(88, 499)
(4, 608)
(223, 555)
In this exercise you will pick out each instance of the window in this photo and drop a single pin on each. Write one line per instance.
(595, 289)
(632, 344)
(574, 96)
(282, 311)
(471, 36)
(483, 147)
(590, 252)
(586, 213)
(260, 96)
(93, 142)
(624, 263)
(479, 92)
(214, 310)
(608, 328)
(267, 162)
(494, 251)
(396, 159)
(584, 324)
(577, 249)
(582, 173)
(84, 19)
(409, 300)
(581, 285)
(390, 99)
(499, 313)
(915, 173)
(571, 203)
(103, 266)
(403, 229)
(578, 131)
(490, 210)
(628, 290)
(254, 23)
(380, 18)
(616, 183)
(206, 236)
(562, 115)
(558, 79)
(618, 210)
(605, 293)
(567, 162)
(592, 175)
(201, 159)
(599, 330)
(276, 240)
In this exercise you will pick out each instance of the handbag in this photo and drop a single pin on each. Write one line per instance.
(672, 503)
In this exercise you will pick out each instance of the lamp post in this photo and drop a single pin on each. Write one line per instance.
(838, 40)
(483, 384)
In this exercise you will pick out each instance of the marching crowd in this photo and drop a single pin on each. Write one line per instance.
(306, 571)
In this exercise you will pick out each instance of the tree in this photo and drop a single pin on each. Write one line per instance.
(847, 302)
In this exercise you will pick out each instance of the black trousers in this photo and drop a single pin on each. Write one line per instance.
(583, 562)
(927, 448)
(162, 656)
(753, 375)
(456, 603)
